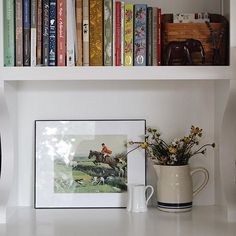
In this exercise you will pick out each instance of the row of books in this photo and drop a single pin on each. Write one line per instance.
(81, 33)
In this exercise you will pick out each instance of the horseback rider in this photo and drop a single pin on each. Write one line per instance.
(105, 151)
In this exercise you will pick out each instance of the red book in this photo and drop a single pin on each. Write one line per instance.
(61, 28)
(159, 37)
(118, 28)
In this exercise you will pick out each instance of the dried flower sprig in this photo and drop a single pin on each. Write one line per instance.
(178, 152)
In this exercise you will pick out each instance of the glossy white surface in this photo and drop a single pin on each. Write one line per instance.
(202, 221)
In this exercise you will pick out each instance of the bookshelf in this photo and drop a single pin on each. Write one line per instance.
(171, 98)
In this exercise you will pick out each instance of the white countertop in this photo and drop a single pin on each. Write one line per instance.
(201, 221)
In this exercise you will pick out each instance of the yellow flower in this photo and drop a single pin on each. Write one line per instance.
(186, 140)
(144, 145)
(172, 150)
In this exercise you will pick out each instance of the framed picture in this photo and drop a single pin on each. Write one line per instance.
(84, 163)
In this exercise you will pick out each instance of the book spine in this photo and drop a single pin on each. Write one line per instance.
(33, 32)
(26, 13)
(19, 32)
(149, 36)
(86, 32)
(118, 27)
(39, 33)
(154, 37)
(52, 32)
(114, 33)
(9, 25)
(61, 38)
(129, 30)
(96, 33)
(140, 31)
(70, 41)
(122, 16)
(108, 46)
(159, 37)
(45, 54)
(74, 31)
(79, 24)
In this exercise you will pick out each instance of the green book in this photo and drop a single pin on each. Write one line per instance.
(9, 47)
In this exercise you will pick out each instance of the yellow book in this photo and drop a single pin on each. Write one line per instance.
(128, 29)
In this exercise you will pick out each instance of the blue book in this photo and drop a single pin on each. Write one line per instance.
(52, 32)
(26, 32)
(140, 34)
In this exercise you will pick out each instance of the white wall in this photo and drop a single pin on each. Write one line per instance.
(171, 106)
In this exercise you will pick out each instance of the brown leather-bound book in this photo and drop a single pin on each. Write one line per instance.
(96, 33)
(79, 24)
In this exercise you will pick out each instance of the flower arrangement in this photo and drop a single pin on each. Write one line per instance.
(178, 152)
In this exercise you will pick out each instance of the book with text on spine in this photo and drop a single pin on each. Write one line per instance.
(39, 33)
(33, 32)
(118, 33)
(86, 32)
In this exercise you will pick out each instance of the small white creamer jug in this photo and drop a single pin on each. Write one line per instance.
(137, 201)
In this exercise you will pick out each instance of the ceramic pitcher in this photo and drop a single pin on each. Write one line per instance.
(137, 201)
(174, 187)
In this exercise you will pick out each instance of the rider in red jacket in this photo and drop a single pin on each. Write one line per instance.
(105, 150)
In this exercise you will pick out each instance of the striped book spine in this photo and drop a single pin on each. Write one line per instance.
(159, 37)
(45, 16)
(108, 5)
(140, 33)
(26, 34)
(61, 34)
(9, 25)
(39, 33)
(122, 34)
(19, 32)
(86, 32)
(149, 35)
(129, 30)
(117, 28)
(70, 40)
(154, 37)
(52, 32)
(79, 31)
(96, 33)
(33, 33)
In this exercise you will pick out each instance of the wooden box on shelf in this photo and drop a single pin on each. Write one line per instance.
(198, 31)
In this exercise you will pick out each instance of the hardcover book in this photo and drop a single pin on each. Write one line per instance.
(108, 45)
(61, 28)
(26, 35)
(118, 36)
(140, 31)
(52, 32)
(154, 37)
(129, 30)
(149, 35)
(79, 31)
(159, 36)
(33, 32)
(45, 54)
(96, 33)
(122, 34)
(114, 33)
(39, 33)
(85, 32)
(19, 32)
(9, 25)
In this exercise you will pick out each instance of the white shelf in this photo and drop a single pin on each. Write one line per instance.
(116, 73)
(208, 221)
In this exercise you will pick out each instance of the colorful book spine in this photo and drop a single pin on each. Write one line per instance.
(114, 33)
(140, 33)
(33, 33)
(9, 25)
(159, 37)
(39, 33)
(26, 34)
(149, 36)
(61, 32)
(108, 34)
(70, 40)
(96, 33)
(52, 32)
(122, 34)
(45, 16)
(79, 31)
(85, 32)
(19, 32)
(154, 37)
(129, 30)
(117, 28)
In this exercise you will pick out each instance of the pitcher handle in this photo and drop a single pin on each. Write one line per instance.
(205, 181)
(152, 191)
